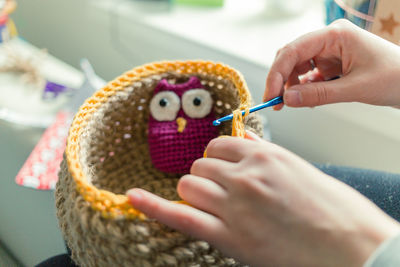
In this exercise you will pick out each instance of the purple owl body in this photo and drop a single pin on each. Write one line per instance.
(180, 125)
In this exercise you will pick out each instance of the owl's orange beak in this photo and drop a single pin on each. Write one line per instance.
(181, 122)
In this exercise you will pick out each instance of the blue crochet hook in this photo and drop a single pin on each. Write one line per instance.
(270, 103)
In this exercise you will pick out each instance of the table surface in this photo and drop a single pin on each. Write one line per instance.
(28, 223)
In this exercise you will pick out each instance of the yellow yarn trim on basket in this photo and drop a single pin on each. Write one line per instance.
(117, 206)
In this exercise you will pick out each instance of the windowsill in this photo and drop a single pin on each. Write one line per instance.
(246, 32)
(381, 120)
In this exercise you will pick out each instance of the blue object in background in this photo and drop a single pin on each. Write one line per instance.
(3, 33)
(334, 12)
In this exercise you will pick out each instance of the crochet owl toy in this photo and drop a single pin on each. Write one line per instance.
(180, 124)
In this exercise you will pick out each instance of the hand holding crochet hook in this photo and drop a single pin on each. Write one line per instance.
(264, 205)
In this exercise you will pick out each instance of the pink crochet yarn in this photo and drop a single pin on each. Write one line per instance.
(172, 151)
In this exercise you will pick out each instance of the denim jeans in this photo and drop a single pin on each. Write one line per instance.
(382, 188)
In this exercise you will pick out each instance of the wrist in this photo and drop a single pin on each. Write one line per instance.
(387, 254)
(372, 237)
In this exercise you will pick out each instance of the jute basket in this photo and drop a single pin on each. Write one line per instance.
(108, 153)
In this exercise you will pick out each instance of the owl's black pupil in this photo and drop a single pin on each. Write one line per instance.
(163, 102)
(197, 101)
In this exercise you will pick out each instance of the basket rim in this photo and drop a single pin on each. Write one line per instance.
(117, 206)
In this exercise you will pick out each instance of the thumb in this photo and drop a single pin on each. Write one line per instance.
(318, 93)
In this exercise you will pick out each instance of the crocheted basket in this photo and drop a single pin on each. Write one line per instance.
(113, 146)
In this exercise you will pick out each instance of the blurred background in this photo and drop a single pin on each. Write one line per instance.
(44, 79)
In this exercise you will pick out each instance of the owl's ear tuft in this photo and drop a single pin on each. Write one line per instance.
(162, 84)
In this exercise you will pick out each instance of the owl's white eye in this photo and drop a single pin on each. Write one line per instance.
(164, 106)
(197, 103)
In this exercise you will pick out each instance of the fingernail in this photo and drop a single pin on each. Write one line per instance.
(293, 97)
(134, 195)
(253, 136)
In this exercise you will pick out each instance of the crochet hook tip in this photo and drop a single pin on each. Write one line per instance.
(216, 122)
(272, 102)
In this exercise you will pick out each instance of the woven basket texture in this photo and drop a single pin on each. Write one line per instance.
(114, 155)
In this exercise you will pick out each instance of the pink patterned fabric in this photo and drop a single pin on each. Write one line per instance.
(43, 164)
(174, 152)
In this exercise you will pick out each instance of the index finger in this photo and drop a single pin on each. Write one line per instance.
(296, 53)
(230, 148)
